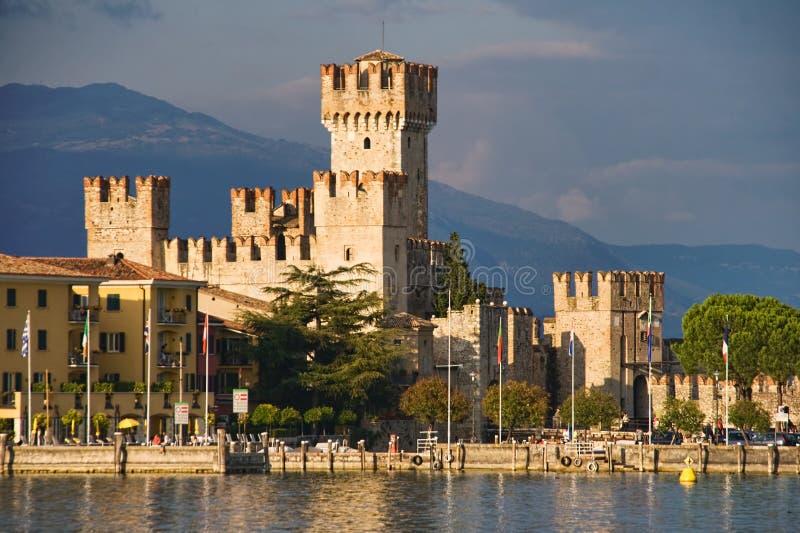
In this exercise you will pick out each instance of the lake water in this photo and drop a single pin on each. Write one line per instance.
(400, 501)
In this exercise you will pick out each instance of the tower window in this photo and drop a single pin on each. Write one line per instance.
(367, 143)
(397, 252)
(280, 248)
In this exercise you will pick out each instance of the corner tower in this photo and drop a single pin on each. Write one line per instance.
(379, 111)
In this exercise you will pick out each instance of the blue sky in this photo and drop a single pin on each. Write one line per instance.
(638, 121)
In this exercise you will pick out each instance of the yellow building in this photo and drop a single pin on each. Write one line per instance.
(119, 297)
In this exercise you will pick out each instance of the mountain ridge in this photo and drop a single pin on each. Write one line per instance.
(49, 138)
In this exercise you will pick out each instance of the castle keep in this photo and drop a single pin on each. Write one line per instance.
(370, 207)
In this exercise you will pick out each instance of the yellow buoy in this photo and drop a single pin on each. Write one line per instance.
(687, 474)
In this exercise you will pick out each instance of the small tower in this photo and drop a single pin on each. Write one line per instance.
(379, 111)
(136, 226)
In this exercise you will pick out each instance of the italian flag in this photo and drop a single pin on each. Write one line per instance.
(85, 343)
(500, 343)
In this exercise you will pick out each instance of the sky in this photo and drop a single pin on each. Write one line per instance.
(638, 121)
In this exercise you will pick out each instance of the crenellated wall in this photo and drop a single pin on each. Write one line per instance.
(423, 257)
(608, 314)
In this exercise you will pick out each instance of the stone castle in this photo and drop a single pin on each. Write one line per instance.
(370, 207)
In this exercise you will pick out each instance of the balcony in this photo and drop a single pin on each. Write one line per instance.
(233, 358)
(76, 360)
(79, 315)
(170, 360)
(174, 316)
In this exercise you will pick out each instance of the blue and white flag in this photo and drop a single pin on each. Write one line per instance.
(26, 336)
(572, 343)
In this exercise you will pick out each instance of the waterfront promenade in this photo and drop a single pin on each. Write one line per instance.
(227, 458)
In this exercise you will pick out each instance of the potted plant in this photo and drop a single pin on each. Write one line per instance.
(100, 422)
(72, 418)
(138, 389)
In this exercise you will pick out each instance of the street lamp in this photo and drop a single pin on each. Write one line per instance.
(716, 404)
(472, 376)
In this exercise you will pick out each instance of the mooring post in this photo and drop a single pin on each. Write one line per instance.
(222, 451)
(265, 444)
(641, 457)
(740, 458)
(303, 454)
(330, 455)
(513, 455)
(771, 450)
(118, 443)
(545, 466)
(362, 453)
(282, 448)
(610, 456)
(3, 440)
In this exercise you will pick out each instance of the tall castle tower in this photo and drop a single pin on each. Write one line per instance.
(117, 222)
(379, 111)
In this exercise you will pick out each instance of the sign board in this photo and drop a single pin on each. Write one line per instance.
(182, 413)
(239, 400)
(781, 417)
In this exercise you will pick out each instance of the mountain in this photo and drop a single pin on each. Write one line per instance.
(50, 138)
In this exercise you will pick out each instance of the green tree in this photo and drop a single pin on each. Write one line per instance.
(523, 405)
(319, 416)
(266, 415)
(290, 418)
(592, 407)
(456, 278)
(681, 415)
(72, 418)
(426, 401)
(316, 339)
(747, 415)
(346, 418)
(100, 423)
(755, 345)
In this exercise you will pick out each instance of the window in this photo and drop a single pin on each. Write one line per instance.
(38, 377)
(11, 339)
(280, 248)
(112, 342)
(42, 298)
(41, 336)
(12, 382)
(111, 377)
(188, 345)
(367, 143)
(11, 297)
(112, 302)
(189, 382)
(188, 302)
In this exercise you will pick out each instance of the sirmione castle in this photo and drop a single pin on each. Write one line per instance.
(371, 206)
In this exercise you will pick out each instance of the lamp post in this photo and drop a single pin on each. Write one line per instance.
(472, 376)
(716, 404)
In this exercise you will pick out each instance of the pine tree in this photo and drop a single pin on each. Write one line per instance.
(455, 277)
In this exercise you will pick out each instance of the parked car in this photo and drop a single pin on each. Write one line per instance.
(736, 438)
(665, 437)
(780, 439)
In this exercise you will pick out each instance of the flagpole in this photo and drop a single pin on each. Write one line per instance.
(448, 375)
(147, 374)
(88, 375)
(572, 356)
(727, 443)
(500, 364)
(28, 323)
(205, 349)
(650, 371)
(180, 385)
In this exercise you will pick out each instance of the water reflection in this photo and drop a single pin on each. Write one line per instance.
(399, 501)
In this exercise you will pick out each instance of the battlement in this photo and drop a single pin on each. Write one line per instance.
(380, 91)
(427, 245)
(609, 290)
(114, 189)
(338, 184)
(215, 250)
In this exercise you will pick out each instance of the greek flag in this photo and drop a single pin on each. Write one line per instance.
(26, 336)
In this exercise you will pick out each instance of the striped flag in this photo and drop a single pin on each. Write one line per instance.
(26, 332)
(725, 345)
(572, 343)
(500, 343)
(85, 343)
(205, 335)
(147, 336)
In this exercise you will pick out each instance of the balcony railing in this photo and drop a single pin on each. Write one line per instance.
(75, 360)
(79, 315)
(170, 360)
(234, 359)
(165, 316)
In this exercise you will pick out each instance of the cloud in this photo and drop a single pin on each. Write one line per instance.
(126, 11)
(468, 172)
(527, 50)
(25, 8)
(294, 94)
(574, 206)
(658, 168)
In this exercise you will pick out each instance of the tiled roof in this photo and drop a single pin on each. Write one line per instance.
(406, 321)
(252, 304)
(31, 266)
(115, 269)
(379, 55)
